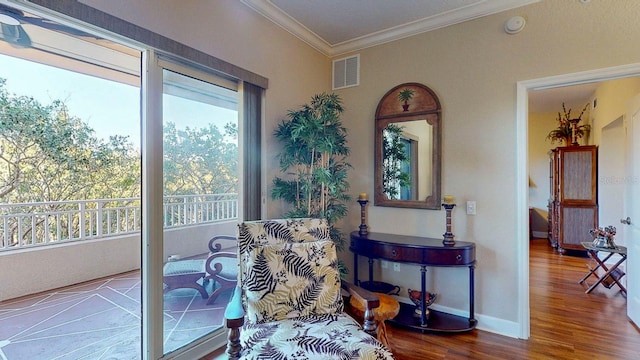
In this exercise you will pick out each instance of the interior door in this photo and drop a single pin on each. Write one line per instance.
(631, 219)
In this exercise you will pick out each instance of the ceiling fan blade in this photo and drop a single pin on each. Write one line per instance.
(51, 25)
(15, 35)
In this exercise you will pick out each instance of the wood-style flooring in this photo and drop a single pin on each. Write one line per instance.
(566, 323)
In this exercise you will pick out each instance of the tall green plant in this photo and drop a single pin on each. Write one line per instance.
(313, 160)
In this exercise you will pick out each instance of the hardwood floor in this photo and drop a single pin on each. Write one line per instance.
(566, 323)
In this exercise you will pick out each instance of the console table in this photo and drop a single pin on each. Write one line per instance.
(424, 252)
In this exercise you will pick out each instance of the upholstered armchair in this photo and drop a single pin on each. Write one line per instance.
(221, 265)
(288, 303)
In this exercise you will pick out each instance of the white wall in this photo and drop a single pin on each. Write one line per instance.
(43, 268)
(612, 98)
(48, 267)
(611, 171)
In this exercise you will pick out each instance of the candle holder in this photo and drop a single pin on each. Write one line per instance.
(574, 131)
(363, 223)
(448, 235)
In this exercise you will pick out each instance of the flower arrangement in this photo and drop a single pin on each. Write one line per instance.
(566, 127)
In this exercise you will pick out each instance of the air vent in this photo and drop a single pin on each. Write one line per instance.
(346, 72)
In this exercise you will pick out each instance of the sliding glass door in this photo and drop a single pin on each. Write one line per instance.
(135, 218)
(200, 175)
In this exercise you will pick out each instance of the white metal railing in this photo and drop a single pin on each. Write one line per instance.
(41, 223)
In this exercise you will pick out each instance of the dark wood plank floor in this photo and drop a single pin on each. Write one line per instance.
(566, 323)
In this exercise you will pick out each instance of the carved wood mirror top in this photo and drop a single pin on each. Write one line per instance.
(407, 148)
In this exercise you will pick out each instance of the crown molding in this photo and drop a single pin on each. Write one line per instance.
(470, 12)
(282, 19)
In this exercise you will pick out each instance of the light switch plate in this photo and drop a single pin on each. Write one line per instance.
(471, 207)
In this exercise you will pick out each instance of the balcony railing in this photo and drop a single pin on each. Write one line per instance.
(41, 223)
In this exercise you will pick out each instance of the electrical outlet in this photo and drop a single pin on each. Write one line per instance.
(384, 264)
(396, 267)
(471, 207)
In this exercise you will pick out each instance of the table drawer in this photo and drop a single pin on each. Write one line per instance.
(450, 257)
(397, 253)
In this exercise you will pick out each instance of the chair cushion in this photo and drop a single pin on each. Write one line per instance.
(291, 280)
(328, 336)
(252, 234)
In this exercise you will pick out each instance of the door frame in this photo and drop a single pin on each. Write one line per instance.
(522, 165)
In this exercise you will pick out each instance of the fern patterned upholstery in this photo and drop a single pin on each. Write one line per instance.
(291, 296)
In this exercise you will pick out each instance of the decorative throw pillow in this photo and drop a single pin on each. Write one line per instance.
(265, 232)
(291, 280)
(269, 232)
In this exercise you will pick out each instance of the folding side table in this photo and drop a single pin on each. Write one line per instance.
(611, 275)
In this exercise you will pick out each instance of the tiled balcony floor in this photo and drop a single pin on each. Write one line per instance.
(99, 320)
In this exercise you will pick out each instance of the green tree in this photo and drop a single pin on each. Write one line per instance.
(201, 160)
(48, 155)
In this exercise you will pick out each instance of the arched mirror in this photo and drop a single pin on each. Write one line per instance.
(407, 146)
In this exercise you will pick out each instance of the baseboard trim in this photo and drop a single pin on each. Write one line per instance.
(485, 323)
(540, 234)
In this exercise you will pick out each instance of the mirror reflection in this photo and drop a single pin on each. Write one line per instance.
(407, 148)
(406, 165)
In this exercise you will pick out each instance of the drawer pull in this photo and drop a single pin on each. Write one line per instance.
(458, 257)
(394, 253)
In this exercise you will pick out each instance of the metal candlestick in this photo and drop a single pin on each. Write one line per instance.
(448, 235)
(363, 223)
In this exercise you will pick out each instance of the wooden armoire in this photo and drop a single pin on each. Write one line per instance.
(573, 205)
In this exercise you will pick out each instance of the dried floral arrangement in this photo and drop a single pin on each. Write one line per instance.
(564, 131)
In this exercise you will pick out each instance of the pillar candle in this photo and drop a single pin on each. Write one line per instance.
(363, 196)
(448, 199)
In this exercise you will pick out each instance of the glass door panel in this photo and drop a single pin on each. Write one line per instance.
(70, 185)
(200, 189)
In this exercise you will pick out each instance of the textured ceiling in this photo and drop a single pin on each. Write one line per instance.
(337, 21)
(574, 97)
(339, 26)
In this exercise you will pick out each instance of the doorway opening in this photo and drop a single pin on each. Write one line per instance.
(523, 90)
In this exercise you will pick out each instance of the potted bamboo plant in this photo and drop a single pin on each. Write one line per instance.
(313, 163)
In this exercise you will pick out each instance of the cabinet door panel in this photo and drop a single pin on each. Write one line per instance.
(575, 223)
(578, 175)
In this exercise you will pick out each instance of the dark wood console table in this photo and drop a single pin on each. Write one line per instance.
(424, 252)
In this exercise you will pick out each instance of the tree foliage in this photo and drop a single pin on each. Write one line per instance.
(201, 160)
(48, 155)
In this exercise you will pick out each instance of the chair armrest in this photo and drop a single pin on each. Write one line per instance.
(214, 268)
(234, 319)
(365, 297)
(215, 244)
(369, 301)
(234, 310)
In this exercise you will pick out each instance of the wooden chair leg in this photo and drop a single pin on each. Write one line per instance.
(369, 324)
(233, 340)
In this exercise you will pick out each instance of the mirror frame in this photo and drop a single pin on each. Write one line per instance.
(423, 105)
